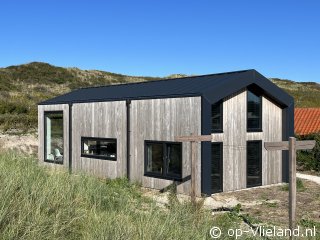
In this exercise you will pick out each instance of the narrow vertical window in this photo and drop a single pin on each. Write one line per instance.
(216, 167)
(254, 163)
(216, 117)
(173, 160)
(53, 137)
(254, 112)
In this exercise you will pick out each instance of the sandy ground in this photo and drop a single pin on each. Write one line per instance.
(268, 205)
(21, 143)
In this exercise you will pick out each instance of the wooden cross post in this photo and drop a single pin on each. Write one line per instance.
(292, 145)
(193, 139)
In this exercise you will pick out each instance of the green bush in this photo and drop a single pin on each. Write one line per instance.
(11, 107)
(310, 159)
(22, 122)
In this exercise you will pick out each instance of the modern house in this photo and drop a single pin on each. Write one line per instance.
(128, 130)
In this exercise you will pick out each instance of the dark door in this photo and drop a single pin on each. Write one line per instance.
(216, 167)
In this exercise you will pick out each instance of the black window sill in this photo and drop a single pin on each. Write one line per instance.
(255, 185)
(52, 161)
(179, 179)
(99, 157)
(217, 131)
(217, 191)
(254, 130)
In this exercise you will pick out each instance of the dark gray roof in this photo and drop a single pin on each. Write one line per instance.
(213, 87)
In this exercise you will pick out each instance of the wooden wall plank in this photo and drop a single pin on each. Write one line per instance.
(234, 141)
(272, 132)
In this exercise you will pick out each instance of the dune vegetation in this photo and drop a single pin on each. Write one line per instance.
(23, 86)
(37, 203)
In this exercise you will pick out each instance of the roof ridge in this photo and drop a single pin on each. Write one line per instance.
(168, 79)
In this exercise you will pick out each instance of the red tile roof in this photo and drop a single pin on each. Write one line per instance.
(306, 120)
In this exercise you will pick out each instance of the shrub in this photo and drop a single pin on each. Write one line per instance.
(12, 107)
(310, 159)
(21, 122)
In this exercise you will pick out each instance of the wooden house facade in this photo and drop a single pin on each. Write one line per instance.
(128, 131)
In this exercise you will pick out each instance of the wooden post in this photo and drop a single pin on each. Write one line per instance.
(292, 183)
(193, 139)
(193, 171)
(292, 145)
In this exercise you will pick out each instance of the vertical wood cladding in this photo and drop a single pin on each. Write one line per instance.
(235, 137)
(102, 120)
(162, 120)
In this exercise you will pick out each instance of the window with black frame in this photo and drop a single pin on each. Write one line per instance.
(100, 148)
(163, 159)
(217, 117)
(254, 112)
(254, 163)
(53, 137)
(216, 167)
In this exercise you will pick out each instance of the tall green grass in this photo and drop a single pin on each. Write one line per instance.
(36, 203)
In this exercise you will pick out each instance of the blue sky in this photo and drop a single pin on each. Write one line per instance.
(158, 38)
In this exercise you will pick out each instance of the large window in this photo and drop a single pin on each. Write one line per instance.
(216, 167)
(254, 163)
(101, 148)
(254, 112)
(163, 160)
(53, 137)
(216, 117)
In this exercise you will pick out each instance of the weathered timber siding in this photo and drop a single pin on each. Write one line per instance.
(272, 131)
(104, 120)
(235, 137)
(41, 110)
(162, 120)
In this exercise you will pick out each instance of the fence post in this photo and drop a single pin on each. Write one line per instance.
(193, 171)
(292, 183)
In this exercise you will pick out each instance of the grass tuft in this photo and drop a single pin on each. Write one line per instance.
(300, 186)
